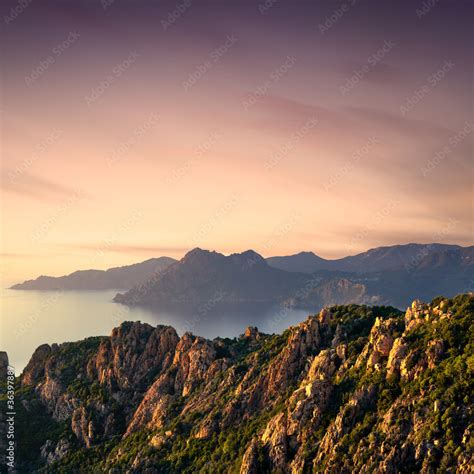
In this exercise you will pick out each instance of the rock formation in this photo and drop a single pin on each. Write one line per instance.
(352, 389)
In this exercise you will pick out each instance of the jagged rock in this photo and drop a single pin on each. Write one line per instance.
(381, 342)
(34, 370)
(325, 316)
(250, 464)
(53, 453)
(397, 353)
(3, 365)
(207, 428)
(323, 366)
(251, 333)
(82, 426)
(344, 421)
(415, 315)
(155, 404)
(131, 354)
(434, 352)
(304, 339)
(193, 357)
(311, 397)
(275, 438)
(160, 439)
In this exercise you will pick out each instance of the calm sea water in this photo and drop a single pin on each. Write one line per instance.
(31, 318)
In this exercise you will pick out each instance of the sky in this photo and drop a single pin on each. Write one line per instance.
(133, 130)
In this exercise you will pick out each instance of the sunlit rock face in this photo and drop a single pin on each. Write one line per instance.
(351, 388)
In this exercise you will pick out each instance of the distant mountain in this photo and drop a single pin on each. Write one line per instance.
(375, 260)
(306, 262)
(204, 276)
(446, 272)
(114, 278)
(390, 275)
(385, 275)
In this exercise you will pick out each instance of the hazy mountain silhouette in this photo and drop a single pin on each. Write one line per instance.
(389, 275)
(202, 276)
(374, 260)
(385, 275)
(114, 278)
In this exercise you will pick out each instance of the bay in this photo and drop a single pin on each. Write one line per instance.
(32, 318)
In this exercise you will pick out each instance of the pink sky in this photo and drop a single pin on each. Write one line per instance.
(117, 147)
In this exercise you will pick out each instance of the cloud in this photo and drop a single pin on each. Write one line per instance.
(16, 255)
(381, 73)
(26, 184)
(132, 249)
(396, 122)
(352, 122)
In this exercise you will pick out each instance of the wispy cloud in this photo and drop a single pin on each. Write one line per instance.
(399, 123)
(382, 73)
(155, 250)
(33, 186)
(281, 112)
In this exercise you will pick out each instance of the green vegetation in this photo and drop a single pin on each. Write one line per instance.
(426, 405)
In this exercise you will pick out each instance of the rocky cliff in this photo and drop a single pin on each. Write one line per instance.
(351, 389)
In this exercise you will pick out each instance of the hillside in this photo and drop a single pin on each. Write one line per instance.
(114, 278)
(380, 259)
(203, 276)
(353, 388)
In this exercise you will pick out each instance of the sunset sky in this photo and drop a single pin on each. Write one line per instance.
(132, 130)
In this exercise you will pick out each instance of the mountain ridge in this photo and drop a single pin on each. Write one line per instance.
(201, 274)
(113, 278)
(352, 388)
(373, 260)
(385, 275)
(248, 277)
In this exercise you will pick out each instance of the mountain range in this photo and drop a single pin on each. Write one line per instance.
(385, 275)
(117, 278)
(351, 389)
(396, 257)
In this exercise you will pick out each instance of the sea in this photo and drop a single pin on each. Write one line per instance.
(31, 318)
